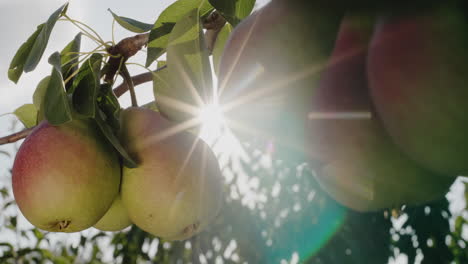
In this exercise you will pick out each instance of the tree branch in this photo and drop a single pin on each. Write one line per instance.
(125, 49)
(119, 91)
(213, 25)
(137, 80)
(16, 136)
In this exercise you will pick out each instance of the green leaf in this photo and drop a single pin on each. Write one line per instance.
(38, 234)
(190, 79)
(159, 34)
(161, 85)
(112, 138)
(30, 53)
(161, 64)
(131, 24)
(220, 43)
(109, 104)
(69, 59)
(234, 11)
(86, 85)
(27, 114)
(151, 105)
(40, 91)
(55, 102)
(38, 97)
(17, 63)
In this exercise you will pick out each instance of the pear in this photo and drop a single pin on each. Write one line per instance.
(419, 86)
(65, 177)
(361, 167)
(176, 189)
(271, 65)
(115, 219)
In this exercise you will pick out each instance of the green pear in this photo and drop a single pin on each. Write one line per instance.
(65, 177)
(271, 65)
(116, 218)
(419, 86)
(361, 167)
(176, 190)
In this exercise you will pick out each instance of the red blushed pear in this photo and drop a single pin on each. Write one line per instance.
(270, 66)
(418, 81)
(362, 168)
(65, 177)
(176, 190)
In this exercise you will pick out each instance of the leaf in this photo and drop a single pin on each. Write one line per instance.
(27, 114)
(190, 79)
(112, 138)
(17, 63)
(159, 34)
(151, 105)
(109, 104)
(131, 24)
(38, 97)
(86, 85)
(69, 59)
(4, 191)
(161, 85)
(40, 91)
(29, 54)
(220, 43)
(38, 234)
(55, 101)
(233, 11)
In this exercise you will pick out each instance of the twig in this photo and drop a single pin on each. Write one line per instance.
(128, 80)
(125, 49)
(120, 53)
(16, 136)
(119, 91)
(213, 25)
(137, 80)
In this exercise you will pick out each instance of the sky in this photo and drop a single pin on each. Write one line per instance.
(22, 17)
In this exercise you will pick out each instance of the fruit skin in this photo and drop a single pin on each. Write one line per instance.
(65, 177)
(361, 167)
(418, 83)
(116, 218)
(176, 190)
(270, 66)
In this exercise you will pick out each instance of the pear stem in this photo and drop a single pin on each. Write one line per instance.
(128, 80)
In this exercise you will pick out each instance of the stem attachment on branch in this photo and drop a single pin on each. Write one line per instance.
(120, 53)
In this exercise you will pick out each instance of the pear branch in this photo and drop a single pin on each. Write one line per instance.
(125, 49)
(121, 52)
(16, 136)
(119, 91)
(213, 25)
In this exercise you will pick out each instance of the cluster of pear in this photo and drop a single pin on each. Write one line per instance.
(374, 98)
(66, 178)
